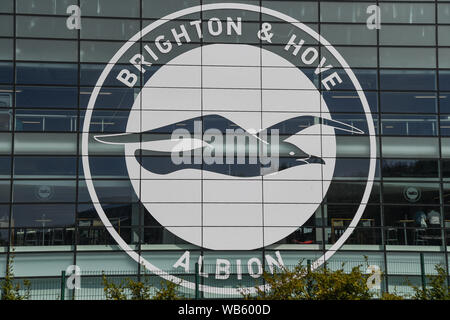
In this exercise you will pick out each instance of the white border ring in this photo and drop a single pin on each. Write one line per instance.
(85, 135)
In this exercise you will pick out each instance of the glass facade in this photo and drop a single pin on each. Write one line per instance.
(48, 73)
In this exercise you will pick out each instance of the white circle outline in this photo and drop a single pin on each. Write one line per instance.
(85, 135)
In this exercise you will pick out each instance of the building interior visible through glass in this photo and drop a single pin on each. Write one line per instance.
(47, 76)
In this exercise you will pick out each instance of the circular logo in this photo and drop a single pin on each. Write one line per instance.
(229, 146)
(44, 192)
(412, 194)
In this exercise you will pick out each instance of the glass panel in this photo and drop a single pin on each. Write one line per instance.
(7, 6)
(46, 120)
(364, 57)
(5, 167)
(444, 58)
(351, 192)
(6, 75)
(348, 101)
(41, 265)
(43, 215)
(398, 168)
(113, 29)
(43, 6)
(110, 191)
(407, 79)
(343, 12)
(5, 143)
(407, 35)
(46, 73)
(5, 187)
(367, 79)
(46, 50)
(6, 51)
(406, 147)
(45, 143)
(408, 102)
(6, 25)
(409, 125)
(446, 200)
(411, 192)
(407, 13)
(159, 8)
(443, 13)
(446, 168)
(444, 35)
(96, 51)
(407, 58)
(445, 126)
(110, 8)
(38, 27)
(413, 225)
(444, 80)
(38, 167)
(46, 97)
(110, 98)
(445, 147)
(348, 34)
(444, 102)
(44, 191)
(342, 214)
(6, 95)
(304, 11)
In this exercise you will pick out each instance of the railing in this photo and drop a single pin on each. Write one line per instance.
(398, 279)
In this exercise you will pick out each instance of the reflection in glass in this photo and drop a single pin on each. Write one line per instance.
(46, 73)
(408, 102)
(402, 168)
(409, 125)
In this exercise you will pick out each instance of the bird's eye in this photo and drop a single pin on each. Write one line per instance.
(291, 153)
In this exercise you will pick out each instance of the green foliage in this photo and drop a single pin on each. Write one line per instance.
(319, 284)
(391, 296)
(129, 289)
(437, 289)
(11, 290)
(168, 291)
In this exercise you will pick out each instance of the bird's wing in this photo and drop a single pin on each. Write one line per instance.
(217, 122)
(157, 134)
(300, 123)
(161, 138)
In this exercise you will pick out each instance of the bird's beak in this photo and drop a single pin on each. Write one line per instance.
(312, 159)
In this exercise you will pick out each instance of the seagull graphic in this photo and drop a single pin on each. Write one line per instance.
(155, 148)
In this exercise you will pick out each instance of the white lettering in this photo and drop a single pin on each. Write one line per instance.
(183, 262)
(138, 60)
(178, 36)
(198, 27)
(74, 20)
(127, 78)
(167, 45)
(259, 270)
(315, 55)
(330, 79)
(233, 25)
(297, 47)
(222, 269)
(272, 262)
(211, 30)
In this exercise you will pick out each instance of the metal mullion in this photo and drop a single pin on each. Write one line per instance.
(441, 183)
(77, 177)
(322, 205)
(380, 162)
(140, 227)
(13, 125)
